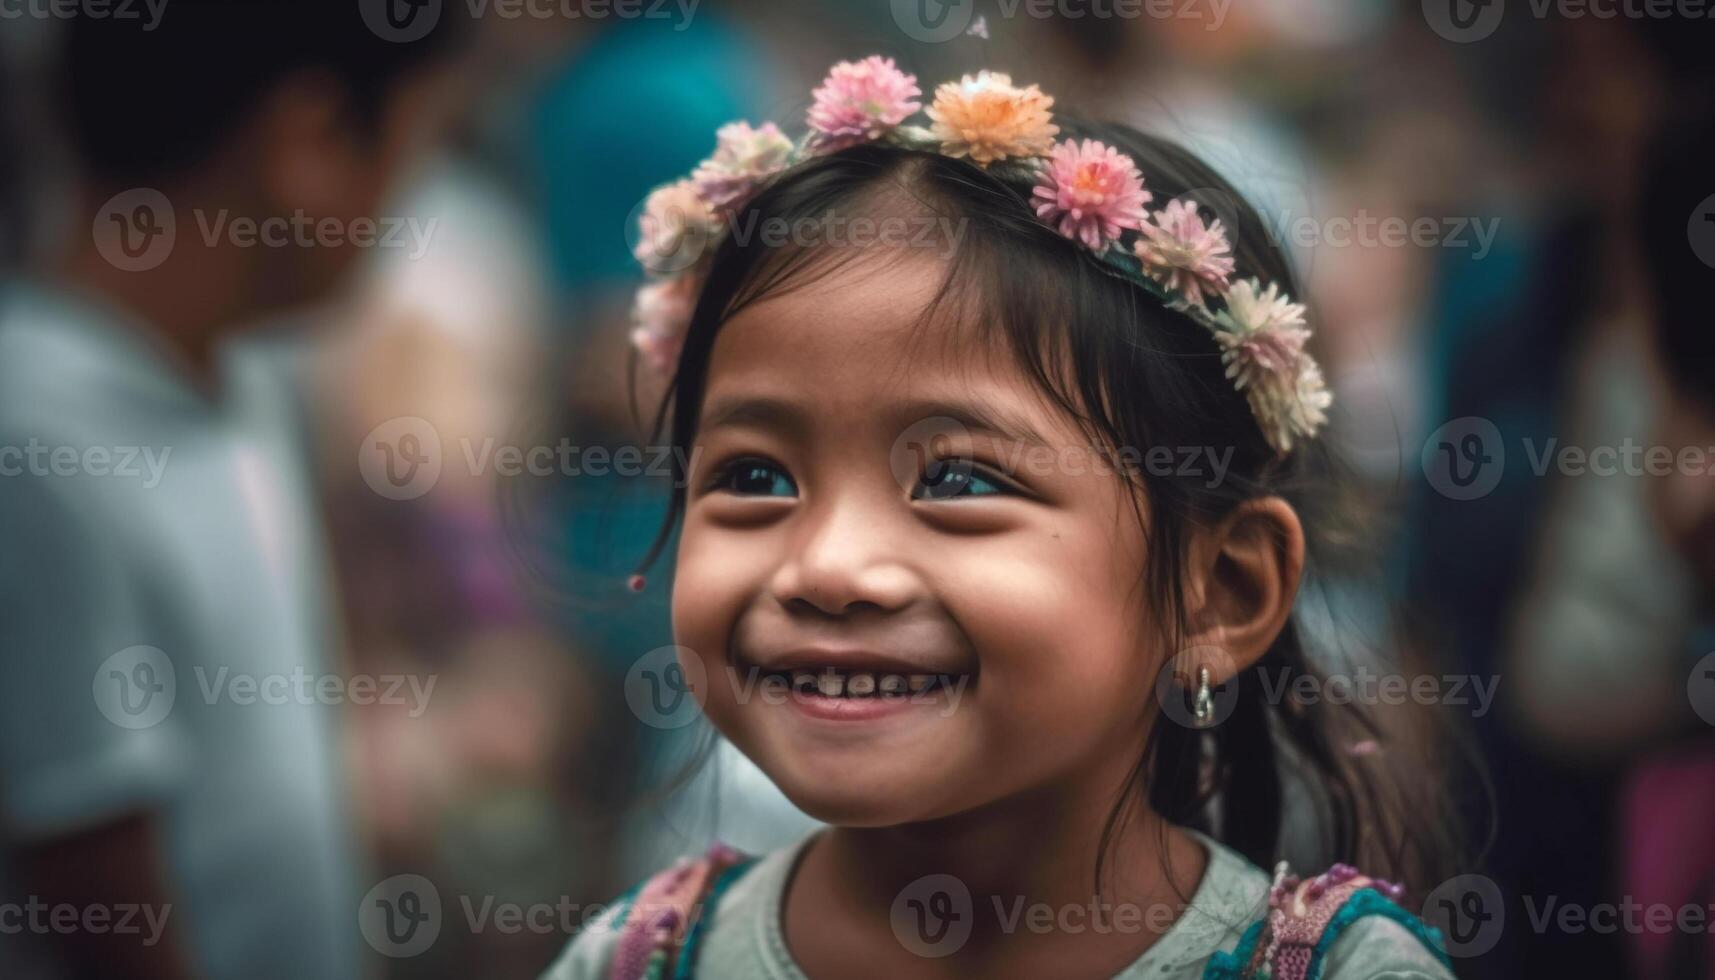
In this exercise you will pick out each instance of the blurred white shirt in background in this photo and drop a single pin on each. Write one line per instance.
(155, 550)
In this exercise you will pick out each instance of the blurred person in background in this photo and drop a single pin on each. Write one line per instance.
(219, 820)
(1599, 623)
(1547, 580)
(1669, 805)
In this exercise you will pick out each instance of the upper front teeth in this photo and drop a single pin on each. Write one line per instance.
(831, 684)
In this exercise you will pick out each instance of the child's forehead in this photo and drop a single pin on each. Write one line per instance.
(883, 312)
(873, 343)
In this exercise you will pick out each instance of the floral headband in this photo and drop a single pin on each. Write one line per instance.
(1086, 190)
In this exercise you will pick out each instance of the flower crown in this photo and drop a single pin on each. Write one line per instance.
(1086, 190)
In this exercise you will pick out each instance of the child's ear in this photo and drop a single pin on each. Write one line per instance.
(1242, 578)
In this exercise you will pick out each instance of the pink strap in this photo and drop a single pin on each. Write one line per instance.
(666, 906)
(1300, 913)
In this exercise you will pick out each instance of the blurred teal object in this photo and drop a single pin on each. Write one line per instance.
(606, 526)
(637, 107)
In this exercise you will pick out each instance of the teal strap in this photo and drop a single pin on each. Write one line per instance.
(1368, 901)
(694, 938)
(1231, 966)
(1361, 903)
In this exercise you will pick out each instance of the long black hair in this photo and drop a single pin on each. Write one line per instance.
(1134, 373)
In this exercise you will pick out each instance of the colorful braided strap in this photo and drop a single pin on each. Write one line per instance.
(661, 927)
(1304, 919)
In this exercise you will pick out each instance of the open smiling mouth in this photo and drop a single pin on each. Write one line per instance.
(834, 682)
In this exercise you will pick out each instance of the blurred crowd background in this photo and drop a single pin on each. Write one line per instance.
(1526, 300)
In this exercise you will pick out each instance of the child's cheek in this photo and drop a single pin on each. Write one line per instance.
(717, 575)
(1042, 615)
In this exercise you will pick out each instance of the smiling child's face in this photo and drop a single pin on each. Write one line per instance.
(891, 641)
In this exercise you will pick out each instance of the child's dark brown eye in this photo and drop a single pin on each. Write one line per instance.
(754, 477)
(944, 479)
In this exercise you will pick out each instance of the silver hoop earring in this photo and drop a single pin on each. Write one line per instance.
(1203, 704)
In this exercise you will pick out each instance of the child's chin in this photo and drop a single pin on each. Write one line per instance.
(855, 805)
(847, 812)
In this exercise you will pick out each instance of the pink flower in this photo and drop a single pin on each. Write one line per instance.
(1092, 192)
(1183, 255)
(861, 101)
(660, 315)
(675, 228)
(744, 157)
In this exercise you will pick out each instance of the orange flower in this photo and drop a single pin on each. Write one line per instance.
(987, 118)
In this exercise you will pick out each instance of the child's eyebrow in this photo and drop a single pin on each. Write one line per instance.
(976, 416)
(787, 417)
(761, 413)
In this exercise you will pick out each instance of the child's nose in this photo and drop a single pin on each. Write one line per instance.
(845, 558)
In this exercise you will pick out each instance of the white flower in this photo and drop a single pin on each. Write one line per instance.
(1262, 335)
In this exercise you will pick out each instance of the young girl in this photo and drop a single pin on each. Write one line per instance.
(1001, 450)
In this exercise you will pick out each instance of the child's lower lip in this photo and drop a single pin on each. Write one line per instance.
(859, 709)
